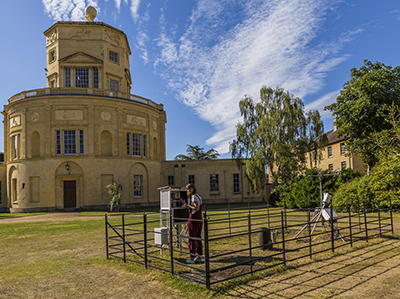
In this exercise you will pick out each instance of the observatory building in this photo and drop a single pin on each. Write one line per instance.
(65, 143)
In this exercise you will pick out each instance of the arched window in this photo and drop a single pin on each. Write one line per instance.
(35, 144)
(106, 143)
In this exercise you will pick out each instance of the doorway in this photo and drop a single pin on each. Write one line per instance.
(69, 194)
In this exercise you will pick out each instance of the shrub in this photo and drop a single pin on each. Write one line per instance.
(114, 189)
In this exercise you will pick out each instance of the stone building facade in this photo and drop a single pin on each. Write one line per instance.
(65, 143)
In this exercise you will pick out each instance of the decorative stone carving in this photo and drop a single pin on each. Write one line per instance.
(15, 121)
(69, 115)
(113, 37)
(52, 38)
(154, 124)
(136, 120)
(80, 33)
(106, 116)
(35, 116)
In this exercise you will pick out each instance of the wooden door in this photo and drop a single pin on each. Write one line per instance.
(69, 194)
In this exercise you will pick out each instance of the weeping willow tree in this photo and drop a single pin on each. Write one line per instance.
(274, 137)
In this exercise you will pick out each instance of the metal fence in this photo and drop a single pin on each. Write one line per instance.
(234, 239)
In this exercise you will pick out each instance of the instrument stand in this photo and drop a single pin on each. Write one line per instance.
(326, 216)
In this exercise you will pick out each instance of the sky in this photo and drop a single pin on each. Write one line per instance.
(201, 57)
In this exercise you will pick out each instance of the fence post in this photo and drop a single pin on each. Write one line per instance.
(269, 223)
(332, 235)
(106, 234)
(284, 208)
(171, 244)
(123, 237)
(145, 237)
(365, 221)
(229, 218)
(250, 253)
(309, 232)
(379, 221)
(207, 250)
(283, 238)
(391, 215)
(351, 232)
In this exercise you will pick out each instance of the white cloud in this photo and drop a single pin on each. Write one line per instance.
(134, 9)
(268, 43)
(67, 10)
(322, 102)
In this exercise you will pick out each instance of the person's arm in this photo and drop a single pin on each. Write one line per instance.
(195, 207)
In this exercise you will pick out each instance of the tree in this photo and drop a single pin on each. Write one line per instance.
(197, 153)
(114, 189)
(363, 107)
(274, 137)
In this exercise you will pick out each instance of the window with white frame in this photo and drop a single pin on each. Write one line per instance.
(114, 85)
(170, 180)
(342, 149)
(14, 143)
(214, 183)
(191, 179)
(329, 152)
(236, 183)
(52, 56)
(138, 185)
(330, 167)
(113, 56)
(82, 77)
(136, 145)
(343, 165)
(70, 142)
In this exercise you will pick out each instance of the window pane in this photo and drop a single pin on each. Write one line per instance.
(136, 140)
(343, 165)
(82, 77)
(67, 77)
(15, 146)
(58, 142)
(214, 183)
(113, 56)
(236, 183)
(114, 85)
(81, 147)
(128, 144)
(69, 142)
(144, 145)
(330, 152)
(342, 149)
(191, 179)
(137, 185)
(171, 181)
(95, 77)
(331, 167)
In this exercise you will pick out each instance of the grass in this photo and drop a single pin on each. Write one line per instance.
(17, 215)
(63, 259)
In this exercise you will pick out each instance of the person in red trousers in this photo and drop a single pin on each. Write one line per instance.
(194, 225)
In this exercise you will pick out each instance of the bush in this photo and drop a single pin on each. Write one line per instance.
(354, 193)
(114, 189)
(385, 181)
(305, 192)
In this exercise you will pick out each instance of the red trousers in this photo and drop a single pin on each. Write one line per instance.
(194, 230)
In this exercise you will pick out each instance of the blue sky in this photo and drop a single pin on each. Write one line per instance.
(200, 57)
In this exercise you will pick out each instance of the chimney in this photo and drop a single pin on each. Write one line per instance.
(334, 123)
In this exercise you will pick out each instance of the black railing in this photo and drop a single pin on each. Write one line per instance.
(230, 239)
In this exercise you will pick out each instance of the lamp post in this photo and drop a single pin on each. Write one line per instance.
(67, 167)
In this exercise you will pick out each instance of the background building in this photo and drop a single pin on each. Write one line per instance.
(65, 143)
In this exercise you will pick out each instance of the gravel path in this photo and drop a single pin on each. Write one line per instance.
(65, 216)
